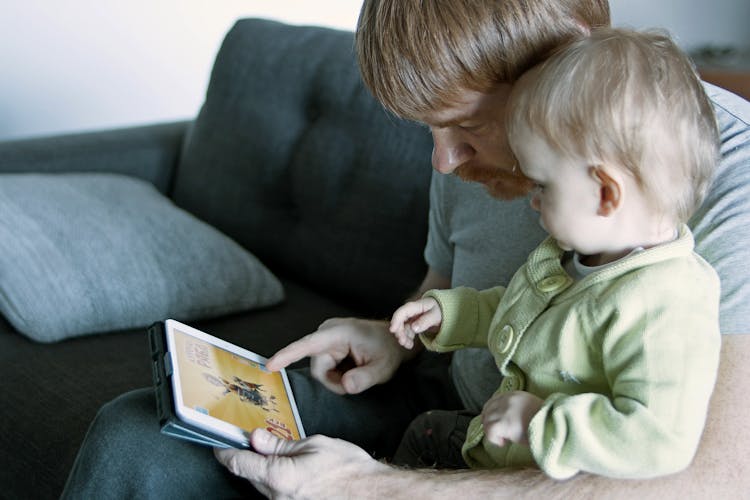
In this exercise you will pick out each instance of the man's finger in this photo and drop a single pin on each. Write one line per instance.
(362, 378)
(243, 463)
(309, 345)
(323, 369)
(266, 443)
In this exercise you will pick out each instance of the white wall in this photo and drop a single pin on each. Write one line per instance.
(70, 65)
(692, 22)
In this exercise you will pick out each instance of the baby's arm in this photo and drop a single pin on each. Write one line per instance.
(660, 373)
(415, 317)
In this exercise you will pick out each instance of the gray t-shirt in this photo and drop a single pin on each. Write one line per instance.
(480, 242)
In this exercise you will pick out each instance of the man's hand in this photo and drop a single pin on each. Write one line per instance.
(316, 467)
(368, 344)
(506, 417)
(415, 317)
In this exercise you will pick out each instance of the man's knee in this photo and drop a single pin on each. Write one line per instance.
(434, 439)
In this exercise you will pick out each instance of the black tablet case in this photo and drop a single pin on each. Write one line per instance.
(169, 420)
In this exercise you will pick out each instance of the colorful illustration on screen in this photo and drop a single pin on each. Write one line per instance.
(237, 390)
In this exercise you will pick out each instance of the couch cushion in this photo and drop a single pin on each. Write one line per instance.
(85, 253)
(293, 158)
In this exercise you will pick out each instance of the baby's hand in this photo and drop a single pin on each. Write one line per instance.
(506, 417)
(414, 318)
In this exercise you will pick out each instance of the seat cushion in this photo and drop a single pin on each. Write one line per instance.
(85, 253)
(54, 390)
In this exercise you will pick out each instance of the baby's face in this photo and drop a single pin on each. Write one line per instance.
(565, 194)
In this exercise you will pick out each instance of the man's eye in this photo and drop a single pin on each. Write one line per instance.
(472, 127)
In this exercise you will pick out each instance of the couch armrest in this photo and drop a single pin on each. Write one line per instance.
(149, 152)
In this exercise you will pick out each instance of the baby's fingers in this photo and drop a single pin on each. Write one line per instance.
(403, 315)
(429, 320)
(405, 336)
(497, 433)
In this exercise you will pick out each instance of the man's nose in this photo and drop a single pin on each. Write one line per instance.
(449, 151)
(535, 202)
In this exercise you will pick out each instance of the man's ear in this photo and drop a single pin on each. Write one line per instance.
(610, 189)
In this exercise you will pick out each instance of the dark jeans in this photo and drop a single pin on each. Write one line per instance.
(434, 440)
(125, 456)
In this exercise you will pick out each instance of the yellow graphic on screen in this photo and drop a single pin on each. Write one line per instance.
(237, 390)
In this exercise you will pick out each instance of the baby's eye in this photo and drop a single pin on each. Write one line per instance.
(538, 187)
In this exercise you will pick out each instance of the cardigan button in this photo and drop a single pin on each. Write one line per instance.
(514, 380)
(511, 383)
(552, 283)
(505, 340)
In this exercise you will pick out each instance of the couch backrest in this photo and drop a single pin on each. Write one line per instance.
(293, 158)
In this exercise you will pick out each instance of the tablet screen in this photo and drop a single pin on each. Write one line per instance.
(218, 380)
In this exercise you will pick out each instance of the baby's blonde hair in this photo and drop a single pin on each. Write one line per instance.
(629, 98)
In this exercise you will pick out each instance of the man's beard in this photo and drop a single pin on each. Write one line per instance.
(502, 183)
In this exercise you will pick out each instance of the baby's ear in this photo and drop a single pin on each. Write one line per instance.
(610, 189)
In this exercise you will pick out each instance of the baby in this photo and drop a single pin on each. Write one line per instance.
(608, 336)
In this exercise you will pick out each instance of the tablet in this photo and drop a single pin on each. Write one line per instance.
(215, 393)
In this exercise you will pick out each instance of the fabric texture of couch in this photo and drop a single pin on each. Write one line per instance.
(289, 157)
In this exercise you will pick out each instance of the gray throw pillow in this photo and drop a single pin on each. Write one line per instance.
(90, 253)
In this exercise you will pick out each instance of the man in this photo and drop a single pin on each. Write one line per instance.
(451, 65)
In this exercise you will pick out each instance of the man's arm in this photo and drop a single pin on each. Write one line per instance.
(432, 281)
(321, 467)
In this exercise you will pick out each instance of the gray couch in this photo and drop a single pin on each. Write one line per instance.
(291, 158)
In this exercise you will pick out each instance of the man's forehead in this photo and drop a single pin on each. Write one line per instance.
(447, 119)
(467, 105)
